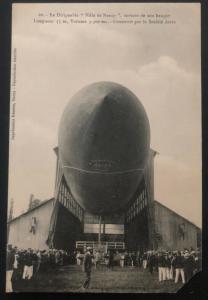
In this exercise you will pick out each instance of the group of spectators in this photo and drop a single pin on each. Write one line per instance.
(110, 259)
(170, 265)
(23, 265)
(173, 265)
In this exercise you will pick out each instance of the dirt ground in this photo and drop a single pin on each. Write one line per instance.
(127, 280)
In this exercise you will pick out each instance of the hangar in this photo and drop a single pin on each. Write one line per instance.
(61, 223)
(104, 186)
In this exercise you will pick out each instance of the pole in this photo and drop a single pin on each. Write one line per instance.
(99, 234)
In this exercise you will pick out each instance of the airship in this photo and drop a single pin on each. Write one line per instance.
(104, 142)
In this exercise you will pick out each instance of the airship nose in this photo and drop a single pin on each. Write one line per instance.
(104, 140)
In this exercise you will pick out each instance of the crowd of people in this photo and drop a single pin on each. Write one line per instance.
(24, 265)
(170, 265)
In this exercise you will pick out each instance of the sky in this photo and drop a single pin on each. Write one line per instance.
(159, 63)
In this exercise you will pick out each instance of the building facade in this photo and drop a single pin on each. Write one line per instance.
(174, 231)
(30, 230)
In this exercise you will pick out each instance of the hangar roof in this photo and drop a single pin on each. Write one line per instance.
(32, 209)
(51, 199)
(172, 211)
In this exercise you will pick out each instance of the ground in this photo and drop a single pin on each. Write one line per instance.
(126, 280)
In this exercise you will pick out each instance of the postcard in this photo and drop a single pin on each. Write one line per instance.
(105, 148)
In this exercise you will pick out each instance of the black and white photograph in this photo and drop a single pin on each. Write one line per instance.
(105, 163)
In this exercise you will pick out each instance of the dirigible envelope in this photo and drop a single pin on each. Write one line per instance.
(104, 140)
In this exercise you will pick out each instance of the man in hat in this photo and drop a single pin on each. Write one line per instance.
(188, 265)
(28, 265)
(9, 268)
(178, 264)
(151, 261)
(161, 266)
(87, 267)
